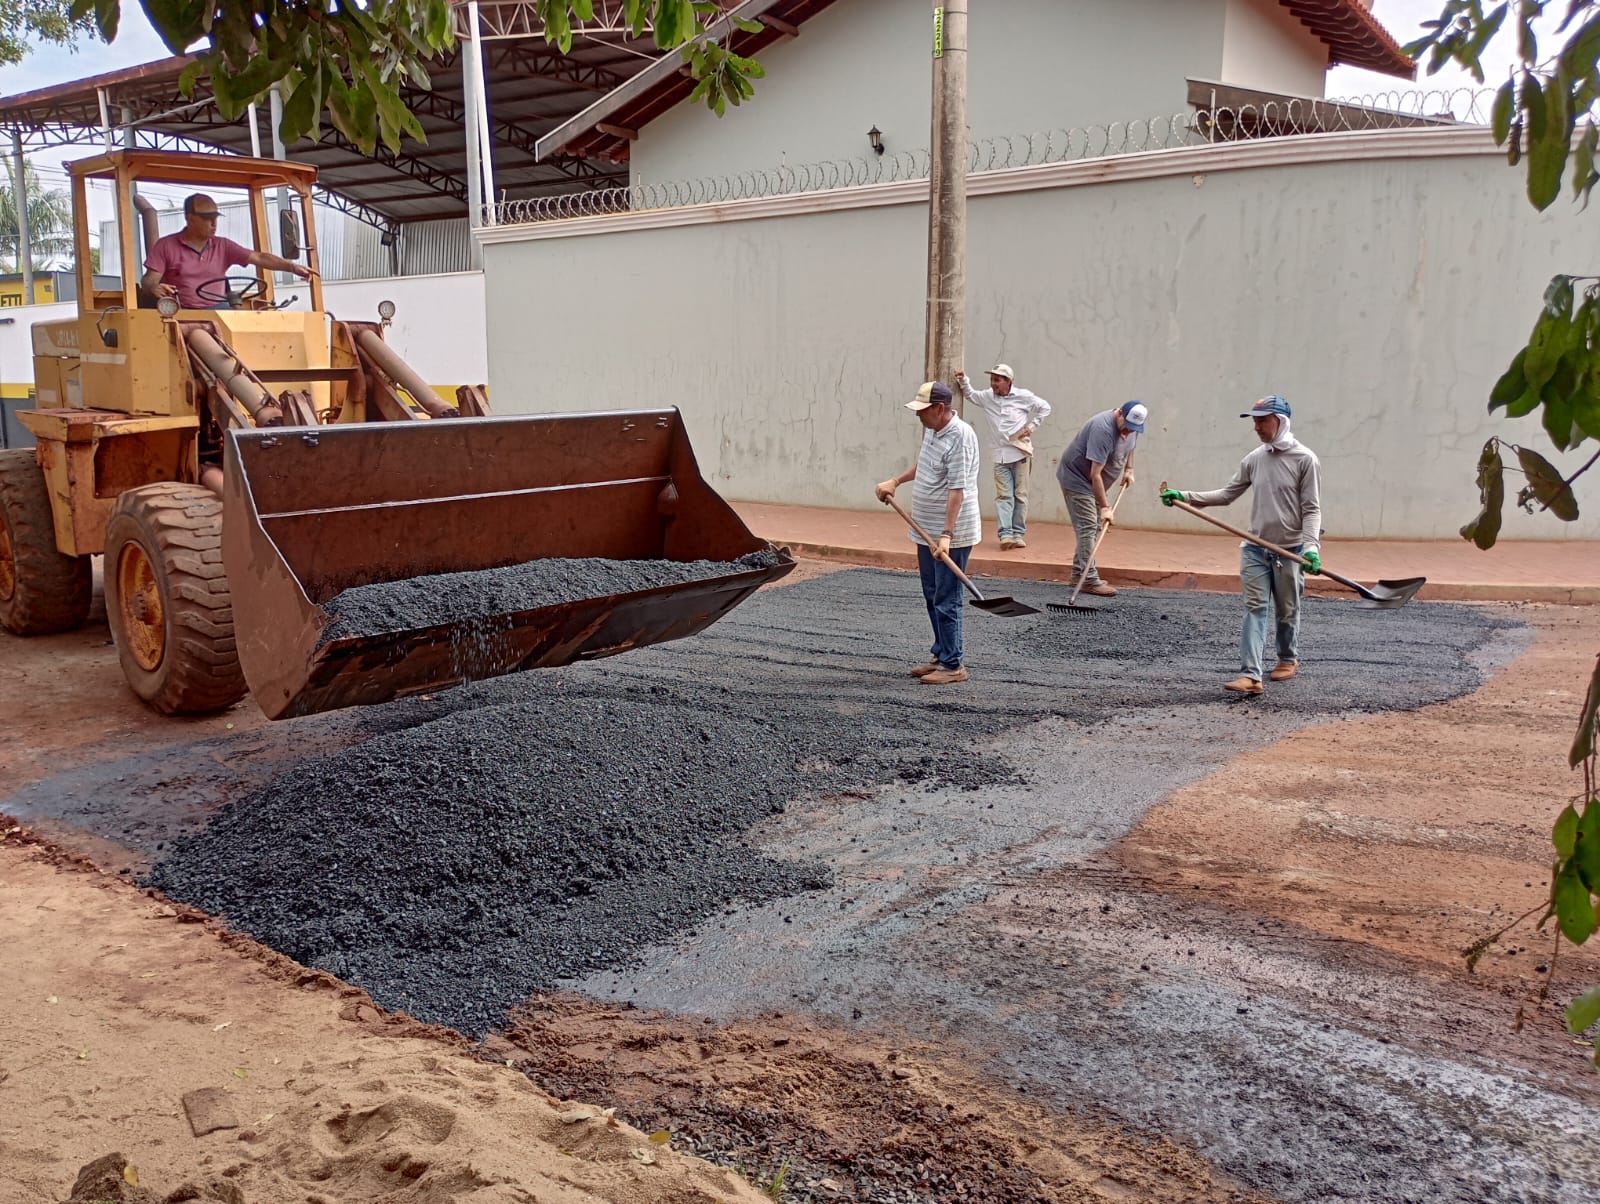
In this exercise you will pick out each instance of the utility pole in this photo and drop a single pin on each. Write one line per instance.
(19, 196)
(947, 195)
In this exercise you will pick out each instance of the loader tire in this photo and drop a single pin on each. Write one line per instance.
(167, 599)
(42, 592)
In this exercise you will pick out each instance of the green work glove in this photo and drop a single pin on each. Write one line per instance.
(1313, 561)
(1168, 496)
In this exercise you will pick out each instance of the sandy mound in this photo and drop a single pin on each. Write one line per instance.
(115, 1007)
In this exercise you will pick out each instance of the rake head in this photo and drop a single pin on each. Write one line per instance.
(1072, 609)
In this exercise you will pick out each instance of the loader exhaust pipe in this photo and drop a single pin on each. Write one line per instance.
(150, 222)
(234, 377)
(404, 375)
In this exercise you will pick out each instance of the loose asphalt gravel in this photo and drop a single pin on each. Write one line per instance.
(589, 826)
(514, 834)
(439, 598)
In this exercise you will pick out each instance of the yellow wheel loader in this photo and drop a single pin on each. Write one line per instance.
(239, 467)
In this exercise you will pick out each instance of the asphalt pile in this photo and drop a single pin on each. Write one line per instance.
(516, 834)
(439, 598)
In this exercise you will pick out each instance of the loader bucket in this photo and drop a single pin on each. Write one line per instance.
(311, 512)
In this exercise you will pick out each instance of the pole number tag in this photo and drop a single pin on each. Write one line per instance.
(938, 33)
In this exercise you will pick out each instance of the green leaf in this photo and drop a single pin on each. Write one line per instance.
(1565, 834)
(1583, 1011)
(1548, 485)
(1511, 385)
(748, 26)
(1500, 115)
(190, 76)
(300, 108)
(1485, 529)
(1549, 138)
(1583, 741)
(1557, 418)
(1573, 907)
(107, 13)
(1546, 346)
(1584, 175)
(1558, 297)
(1586, 857)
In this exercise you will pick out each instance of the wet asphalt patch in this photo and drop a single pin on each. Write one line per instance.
(438, 598)
(530, 830)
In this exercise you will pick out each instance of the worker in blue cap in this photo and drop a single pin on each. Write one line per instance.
(1285, 509)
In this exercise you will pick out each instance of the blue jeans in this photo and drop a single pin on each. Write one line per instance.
(941, 590)
(1011, 498)
(1272, 586)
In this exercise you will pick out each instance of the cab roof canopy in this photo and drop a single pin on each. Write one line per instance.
(163, 167)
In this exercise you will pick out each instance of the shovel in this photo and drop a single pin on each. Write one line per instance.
(1384, 595)
(1009, 607)
(1071, 606)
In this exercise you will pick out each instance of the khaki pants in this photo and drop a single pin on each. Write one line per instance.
(1085, 512)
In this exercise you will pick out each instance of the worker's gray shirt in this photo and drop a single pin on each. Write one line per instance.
(1098, 442)
(1286, 507)
(947, 460)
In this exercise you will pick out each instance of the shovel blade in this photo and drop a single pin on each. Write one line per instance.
(1008, 608)
(1392, 594)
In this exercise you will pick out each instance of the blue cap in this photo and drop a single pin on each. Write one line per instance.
(1134, 413)
(1270, 404)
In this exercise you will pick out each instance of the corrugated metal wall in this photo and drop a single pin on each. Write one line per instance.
(349, 249)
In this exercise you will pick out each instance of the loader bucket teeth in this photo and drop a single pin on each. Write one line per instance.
(309, 514)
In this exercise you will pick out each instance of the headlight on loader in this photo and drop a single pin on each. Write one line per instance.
(167, 307)
(386, 310)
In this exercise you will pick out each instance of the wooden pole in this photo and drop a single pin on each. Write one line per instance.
(19, 197)
(947, 196)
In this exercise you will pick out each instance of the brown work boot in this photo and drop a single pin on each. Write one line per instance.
(924, 670)
(1019, 542)
(1243, 685)
(1101, 590)
(1007, 544)
(944, 677)
(1283, 670)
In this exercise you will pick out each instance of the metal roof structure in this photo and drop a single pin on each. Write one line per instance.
(557, 123)
(532, 89)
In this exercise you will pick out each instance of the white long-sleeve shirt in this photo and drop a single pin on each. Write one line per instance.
(1006, 416)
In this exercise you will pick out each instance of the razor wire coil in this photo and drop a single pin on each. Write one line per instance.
(1203, 126)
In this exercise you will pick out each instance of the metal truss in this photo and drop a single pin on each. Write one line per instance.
(520, 19)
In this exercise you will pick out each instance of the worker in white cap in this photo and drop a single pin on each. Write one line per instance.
(1013, 414)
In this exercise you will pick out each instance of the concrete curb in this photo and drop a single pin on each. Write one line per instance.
(1170, 579)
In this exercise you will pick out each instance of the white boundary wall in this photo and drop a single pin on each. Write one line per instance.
(438, 324)
(1381, 281)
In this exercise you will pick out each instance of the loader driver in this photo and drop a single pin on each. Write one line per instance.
(179, 264)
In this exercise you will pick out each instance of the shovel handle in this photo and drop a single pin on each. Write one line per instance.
(1271, 547)
(1233, 530)
(933, 546)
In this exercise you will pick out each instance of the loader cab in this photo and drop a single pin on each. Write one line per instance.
(122, 346)
(271, 187)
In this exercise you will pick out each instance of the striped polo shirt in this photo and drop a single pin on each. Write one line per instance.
(948, 460)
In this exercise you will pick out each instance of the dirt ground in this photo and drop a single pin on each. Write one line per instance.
(1397, 839)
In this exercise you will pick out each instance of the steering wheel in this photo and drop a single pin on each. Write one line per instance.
(232, 291)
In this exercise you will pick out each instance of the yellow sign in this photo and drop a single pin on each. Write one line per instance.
(938, 33)
(44, 291)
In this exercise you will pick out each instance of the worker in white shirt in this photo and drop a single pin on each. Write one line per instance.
(1013, 414)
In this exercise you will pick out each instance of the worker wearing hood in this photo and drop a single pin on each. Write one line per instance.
(1285, 509)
